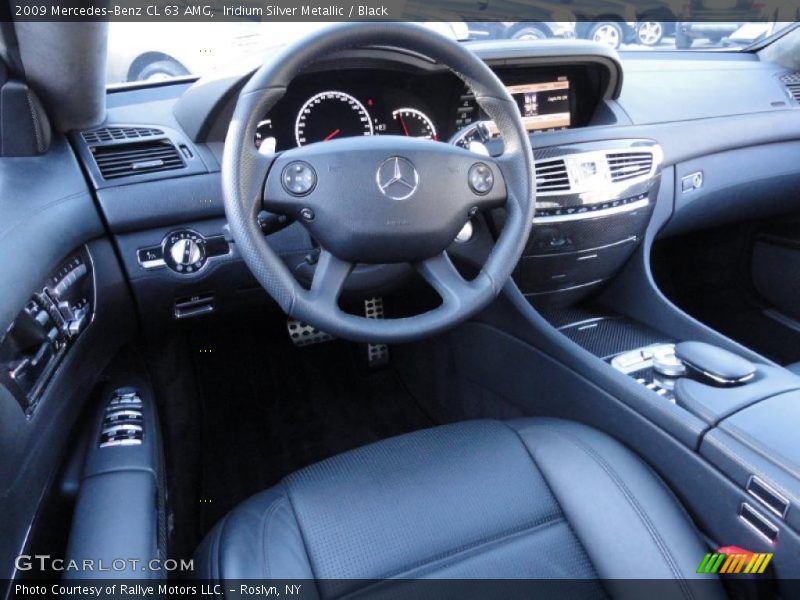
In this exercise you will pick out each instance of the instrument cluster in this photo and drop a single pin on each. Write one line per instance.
(334, 109)
(329, 105)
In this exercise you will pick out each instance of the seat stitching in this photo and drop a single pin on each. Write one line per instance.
(534, 526)
(265, 531)
(546, 520)
(288, 491)
(638, 509)
(549, 487)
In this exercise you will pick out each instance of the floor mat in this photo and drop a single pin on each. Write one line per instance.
(269, 408)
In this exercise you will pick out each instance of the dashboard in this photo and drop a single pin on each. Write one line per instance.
(594, 146)
(692, 104)
(362, 102)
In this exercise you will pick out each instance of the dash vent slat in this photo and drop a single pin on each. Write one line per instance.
(628, 165)
(123, 160)
(110, 134)
(551, 176)
(792, 83)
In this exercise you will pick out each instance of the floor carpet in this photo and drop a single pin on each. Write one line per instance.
(269, 408)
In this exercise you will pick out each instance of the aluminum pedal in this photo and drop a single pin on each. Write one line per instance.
(377, 354)
(305, 335)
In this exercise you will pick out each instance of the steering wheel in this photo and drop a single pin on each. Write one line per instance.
(382, 199)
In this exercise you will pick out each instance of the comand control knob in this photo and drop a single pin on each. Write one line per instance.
(185, 251)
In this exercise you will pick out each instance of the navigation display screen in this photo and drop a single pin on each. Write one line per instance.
(543, 105)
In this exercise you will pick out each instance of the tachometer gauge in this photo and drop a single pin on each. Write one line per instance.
(330, 115)
(414, 123)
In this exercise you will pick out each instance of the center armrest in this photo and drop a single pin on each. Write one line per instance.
(713, 404)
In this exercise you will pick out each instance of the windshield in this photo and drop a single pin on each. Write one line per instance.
(151, 52)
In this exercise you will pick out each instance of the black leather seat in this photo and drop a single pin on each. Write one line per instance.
(531, 498)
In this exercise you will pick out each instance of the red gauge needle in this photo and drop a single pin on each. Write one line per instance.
(403, 123)
(332, 135)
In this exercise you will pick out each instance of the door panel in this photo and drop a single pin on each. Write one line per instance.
(47, 214)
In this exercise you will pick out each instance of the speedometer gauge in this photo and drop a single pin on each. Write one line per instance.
(329, 115)
(414, 123)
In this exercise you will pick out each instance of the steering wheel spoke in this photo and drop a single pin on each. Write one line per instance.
(329, 278)
(442, 275)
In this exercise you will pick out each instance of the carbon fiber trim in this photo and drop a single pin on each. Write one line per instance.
(560, 271)
(589, 234)
(606, 209)
(610, 336)
(563, 297)
(563, 317)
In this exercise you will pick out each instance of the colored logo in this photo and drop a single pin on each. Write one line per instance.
(733, 563)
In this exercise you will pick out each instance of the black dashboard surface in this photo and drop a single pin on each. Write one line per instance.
(691, 103)
(667, 87)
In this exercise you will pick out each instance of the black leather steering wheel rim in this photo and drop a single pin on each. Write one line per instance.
(245, 174)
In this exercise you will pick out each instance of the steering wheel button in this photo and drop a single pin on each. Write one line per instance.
(298, 178)
(481, 178)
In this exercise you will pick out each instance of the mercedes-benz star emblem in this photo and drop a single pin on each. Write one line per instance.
(397, 178)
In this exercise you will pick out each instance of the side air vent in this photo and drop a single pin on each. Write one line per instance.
(123, 160)
(628, 165)
(551, 176)
(109, 134)
(792, 83)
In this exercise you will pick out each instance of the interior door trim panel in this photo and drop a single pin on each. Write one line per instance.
(35, 446)
(48, 211)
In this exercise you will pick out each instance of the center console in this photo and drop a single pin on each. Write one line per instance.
(593, 204)
(749, 410)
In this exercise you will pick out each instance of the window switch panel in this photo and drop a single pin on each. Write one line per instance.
(123, 421)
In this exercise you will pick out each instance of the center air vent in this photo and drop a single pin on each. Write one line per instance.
(627, 165)
(109, 134)
(792, 83)
(602, 169)
(123, 160)
(551, 176)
